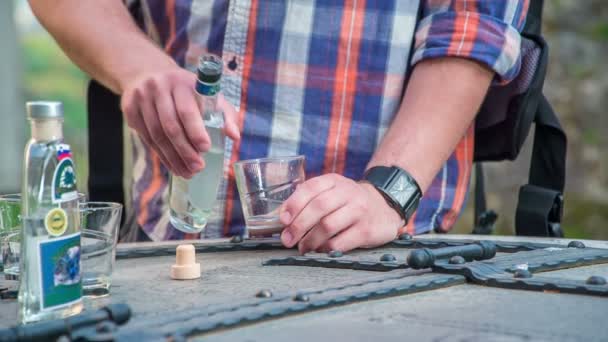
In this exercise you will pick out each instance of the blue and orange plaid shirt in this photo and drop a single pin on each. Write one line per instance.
(323, 79)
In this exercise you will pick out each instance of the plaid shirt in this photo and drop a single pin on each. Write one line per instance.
(323, 79)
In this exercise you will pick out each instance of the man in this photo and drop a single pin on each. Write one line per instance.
(332, 80)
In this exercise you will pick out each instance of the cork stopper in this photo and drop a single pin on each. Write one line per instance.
(46, 118)
(47, 130)
(185, 266)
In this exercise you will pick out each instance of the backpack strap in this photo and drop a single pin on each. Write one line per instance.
(484, 218)
(105, 144)
(540, 204)
(534, 18)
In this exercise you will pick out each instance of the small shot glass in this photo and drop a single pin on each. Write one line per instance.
(263, 185)
(99, 227)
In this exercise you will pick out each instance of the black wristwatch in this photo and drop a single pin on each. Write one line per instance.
(398, 187)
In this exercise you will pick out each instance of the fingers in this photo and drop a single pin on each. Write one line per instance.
(346, 240)
(328, 227)
(157, 139)
(190, 117)
(295, 204)
(174, 139)
(163, 109)
(139, 126)
(230, 117)
(132, 110)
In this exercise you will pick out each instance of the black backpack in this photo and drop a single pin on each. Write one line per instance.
(501, 128)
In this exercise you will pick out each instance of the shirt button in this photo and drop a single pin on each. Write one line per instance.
(232, 65)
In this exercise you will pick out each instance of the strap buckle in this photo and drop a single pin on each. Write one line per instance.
(485, 222)
(539, 212)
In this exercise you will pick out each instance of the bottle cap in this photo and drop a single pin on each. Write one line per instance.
(185, 264)
(210, 68)
(44, 110)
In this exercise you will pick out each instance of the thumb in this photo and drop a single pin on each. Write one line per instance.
(230, 117)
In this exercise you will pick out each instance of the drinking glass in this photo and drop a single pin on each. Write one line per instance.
(99, 226)
(263, 185)
(10, 234)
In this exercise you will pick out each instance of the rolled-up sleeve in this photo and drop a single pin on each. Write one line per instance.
(487, 31)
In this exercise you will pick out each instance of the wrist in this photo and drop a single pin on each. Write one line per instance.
(376, 196)
(400, 190)
(419, 174)
(132, 72)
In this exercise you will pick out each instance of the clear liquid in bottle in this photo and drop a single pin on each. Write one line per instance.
(192, 201)
(51, 277)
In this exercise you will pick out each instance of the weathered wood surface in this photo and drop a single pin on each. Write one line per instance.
(457, 311)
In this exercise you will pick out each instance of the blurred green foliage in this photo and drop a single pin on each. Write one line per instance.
(600, 32)
(50, 75)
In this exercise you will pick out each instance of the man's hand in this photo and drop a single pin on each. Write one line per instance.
(162, 107)
(332, 212)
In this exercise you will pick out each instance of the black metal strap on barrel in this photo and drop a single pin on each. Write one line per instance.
(97, 325)
(425, 257)
(540, 204)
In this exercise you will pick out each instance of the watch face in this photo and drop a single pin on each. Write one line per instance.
(402, 189)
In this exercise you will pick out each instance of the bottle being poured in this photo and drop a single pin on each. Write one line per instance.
(192, 201)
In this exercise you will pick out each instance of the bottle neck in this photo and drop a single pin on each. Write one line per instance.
(209, 103)
(208, 93)
(47, 130)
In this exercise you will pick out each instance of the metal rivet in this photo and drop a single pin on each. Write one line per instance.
(521, 273)
(264, 294)
(596, 280)
(300, 297)
(388, 258)
(457, 260)
(236, 239)
(576, 244)
(335, 254)
(405, 237)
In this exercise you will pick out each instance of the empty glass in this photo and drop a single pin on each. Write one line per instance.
(10, 234)
(100, 222)
(263, 185)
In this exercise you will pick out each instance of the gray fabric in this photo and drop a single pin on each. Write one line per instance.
(496, 105)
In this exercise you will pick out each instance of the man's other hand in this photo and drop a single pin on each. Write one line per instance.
(162, 107)
(332, 212)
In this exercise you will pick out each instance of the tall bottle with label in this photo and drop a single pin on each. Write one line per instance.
(191, 201)
(50, 284)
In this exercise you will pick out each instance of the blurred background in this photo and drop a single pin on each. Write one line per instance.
(34, 68)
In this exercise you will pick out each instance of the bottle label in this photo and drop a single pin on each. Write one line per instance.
(60, 271)
(56, 222)
(64, 178)
(207, 89)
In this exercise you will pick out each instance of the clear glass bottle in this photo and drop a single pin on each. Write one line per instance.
(50, 285)
(191, 201)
